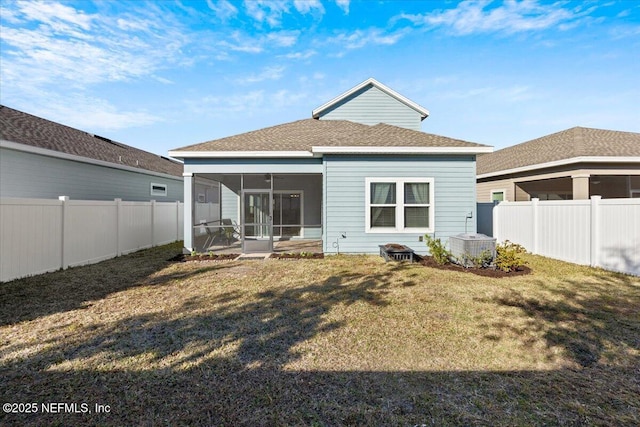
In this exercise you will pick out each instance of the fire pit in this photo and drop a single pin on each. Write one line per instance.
(396, 252)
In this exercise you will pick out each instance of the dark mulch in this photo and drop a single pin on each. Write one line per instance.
(304, 255)
(204, 257)
(428, 261)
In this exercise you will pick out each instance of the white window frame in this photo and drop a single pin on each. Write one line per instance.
(504, 194)
(400, 205)
(155, 192)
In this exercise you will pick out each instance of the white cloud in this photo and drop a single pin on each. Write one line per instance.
(268, 73)
(269, 11)
(306, 6)
(223, 9)
(344, 5)
(272, 12)
(224, 105)
(283, 38)
(362, 38)
(242, 42)
(300, 55)
(477, 16)
(285, 98)
(55, 15)
(84, 112)
(515, 93)
(56, 45)
(252, 103)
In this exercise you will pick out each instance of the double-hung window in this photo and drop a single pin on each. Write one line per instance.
(399, 205)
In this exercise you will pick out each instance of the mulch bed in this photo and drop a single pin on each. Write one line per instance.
(305, 255)
(428, 261)
(204, 257)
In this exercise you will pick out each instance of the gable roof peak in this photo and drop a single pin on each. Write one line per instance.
(424, 113)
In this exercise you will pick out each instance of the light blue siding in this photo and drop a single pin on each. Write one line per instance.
(28, 175)
(345, 208)
(371, 106)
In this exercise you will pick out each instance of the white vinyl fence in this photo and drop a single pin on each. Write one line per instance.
(597, 232)
(42, 235)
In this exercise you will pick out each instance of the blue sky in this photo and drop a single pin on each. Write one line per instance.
(160, 75)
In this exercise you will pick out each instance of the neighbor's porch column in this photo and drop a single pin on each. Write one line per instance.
(188, 211)
(580, 186)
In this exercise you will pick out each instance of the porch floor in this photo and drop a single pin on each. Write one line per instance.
(283, 245)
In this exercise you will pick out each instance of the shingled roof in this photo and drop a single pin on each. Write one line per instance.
(302, 135)
(22, 128)
(567, 144)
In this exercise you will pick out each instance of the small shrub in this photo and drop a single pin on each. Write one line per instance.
(508, 256)
(439, 253)
(484, 260)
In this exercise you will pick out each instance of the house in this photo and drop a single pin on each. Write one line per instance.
(43, 159)
(357, 174)
(572, 164)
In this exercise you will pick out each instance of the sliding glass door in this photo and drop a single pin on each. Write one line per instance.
(287, 213)
(257, 223)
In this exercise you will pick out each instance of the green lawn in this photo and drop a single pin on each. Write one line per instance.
(347, 340)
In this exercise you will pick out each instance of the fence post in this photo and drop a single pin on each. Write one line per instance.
(118, 226)
(534, 216)
(64, 262)
(153, 225)
(495, 213)
(595, 231)
(177, 221)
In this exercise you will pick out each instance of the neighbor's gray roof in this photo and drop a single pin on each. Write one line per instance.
(302, 135)
(19, 127)
(567, 144)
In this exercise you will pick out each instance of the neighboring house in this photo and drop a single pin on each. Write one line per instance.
(357, 175)
(572, 164)
(43, 159)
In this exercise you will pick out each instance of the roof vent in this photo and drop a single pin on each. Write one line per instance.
(102, 138)
(105, 139)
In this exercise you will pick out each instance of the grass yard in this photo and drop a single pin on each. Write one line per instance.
(346, 340)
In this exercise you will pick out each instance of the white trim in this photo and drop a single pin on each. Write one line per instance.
(399, 206)
(563, 162)
(72, 157)
(249, 154)
(424, 113)
(319, 150)
(400, 150)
